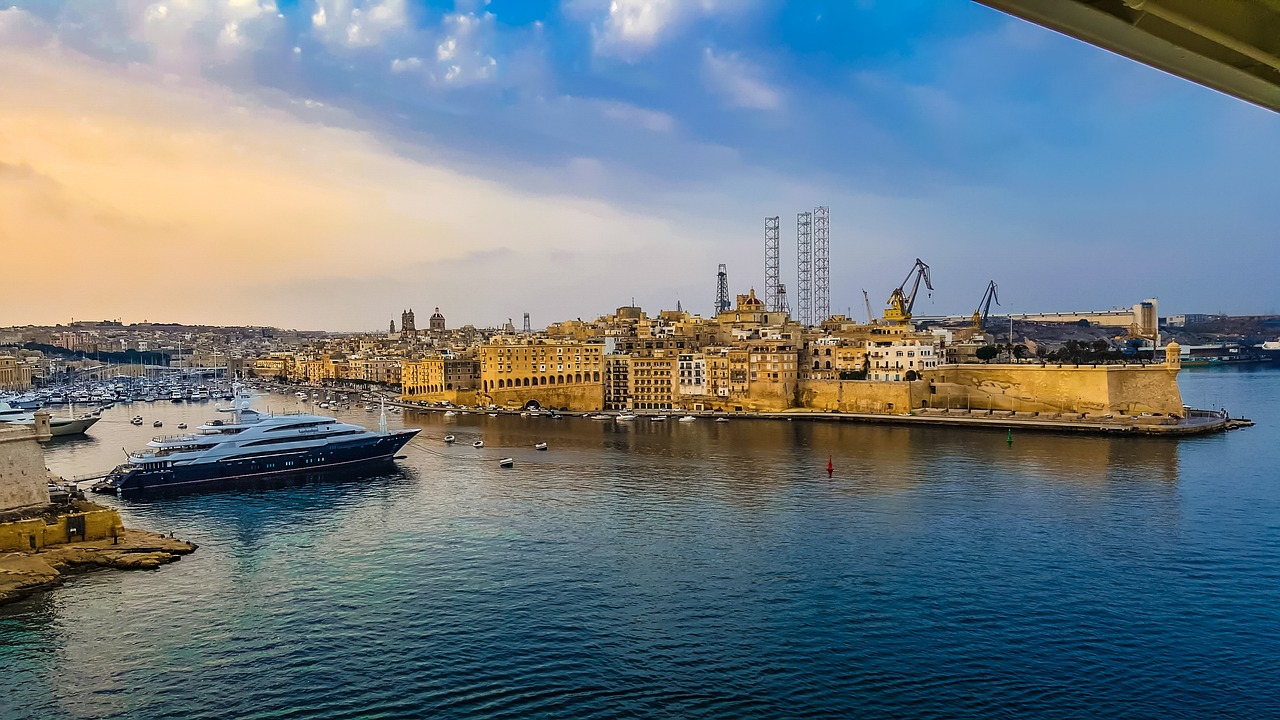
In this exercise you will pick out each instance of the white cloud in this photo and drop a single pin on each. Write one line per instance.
(400, 65)
(651, 120)
(18, 27)
(630, 28)
(185, 35)
(738, 81)
(463, 53)
(358, 23)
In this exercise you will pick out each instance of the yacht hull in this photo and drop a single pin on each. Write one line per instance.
(71, 427)
(356, 456)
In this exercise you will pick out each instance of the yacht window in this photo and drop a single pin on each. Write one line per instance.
(317, 436)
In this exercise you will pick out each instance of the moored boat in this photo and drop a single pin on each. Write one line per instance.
(252, 446)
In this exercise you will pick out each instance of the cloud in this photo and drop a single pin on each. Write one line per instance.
(358, 23)
(628, 29)
(257, 198)
(17, 26)
(738, 81)
(463, 51)
(651, 120)
(408, 64)
(185, 35)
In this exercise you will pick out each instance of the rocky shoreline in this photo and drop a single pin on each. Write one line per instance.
(23, 573)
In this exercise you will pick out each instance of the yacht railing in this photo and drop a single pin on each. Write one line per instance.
(187, 437)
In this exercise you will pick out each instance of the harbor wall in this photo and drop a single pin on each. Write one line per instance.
(1093, 389)
(579, 398)
(863, 396)
(38, 532)
(24, 481)
(457, 397)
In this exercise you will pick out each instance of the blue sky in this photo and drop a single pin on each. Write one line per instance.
(624, 148)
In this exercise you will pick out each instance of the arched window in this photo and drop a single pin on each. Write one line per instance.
(577, 377)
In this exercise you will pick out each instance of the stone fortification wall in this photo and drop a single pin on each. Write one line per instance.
(579, 398)
(1101, 389)
(457, 397)
(24, 481)
(863, 396)
(38, 533)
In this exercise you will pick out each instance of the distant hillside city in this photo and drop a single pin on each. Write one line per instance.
(744, 357)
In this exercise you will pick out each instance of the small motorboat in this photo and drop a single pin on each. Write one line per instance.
(540, 446)
(624, 417)
(157, 424)
(137, 420)
(182, 426)
(493, 414)
(524, 414)
(506, 462)
(478, 444)
(449, 439)
(601, 416)
(449, 413)
(722, 419)
(658, 418)
(688, 418)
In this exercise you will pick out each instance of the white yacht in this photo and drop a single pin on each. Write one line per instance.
(58, 425)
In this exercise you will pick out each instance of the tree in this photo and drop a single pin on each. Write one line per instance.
(987, 353)
(1020, 351)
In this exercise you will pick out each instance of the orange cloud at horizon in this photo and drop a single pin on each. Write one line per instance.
(181, 194)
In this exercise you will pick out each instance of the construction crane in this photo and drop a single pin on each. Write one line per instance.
(867, 299)
(900, 302)
(984, 306)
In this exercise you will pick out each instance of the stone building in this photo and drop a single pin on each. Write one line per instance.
(14, 375)
(654, 382)
(617, 382)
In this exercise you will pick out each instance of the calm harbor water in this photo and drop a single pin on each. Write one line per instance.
(692, 570)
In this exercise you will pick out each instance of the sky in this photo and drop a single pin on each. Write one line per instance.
(325, 164)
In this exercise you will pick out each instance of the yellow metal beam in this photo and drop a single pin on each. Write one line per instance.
(1232, 46)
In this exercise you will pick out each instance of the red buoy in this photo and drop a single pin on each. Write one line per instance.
(830, 466)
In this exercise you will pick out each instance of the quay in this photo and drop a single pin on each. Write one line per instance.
(1197, 422)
